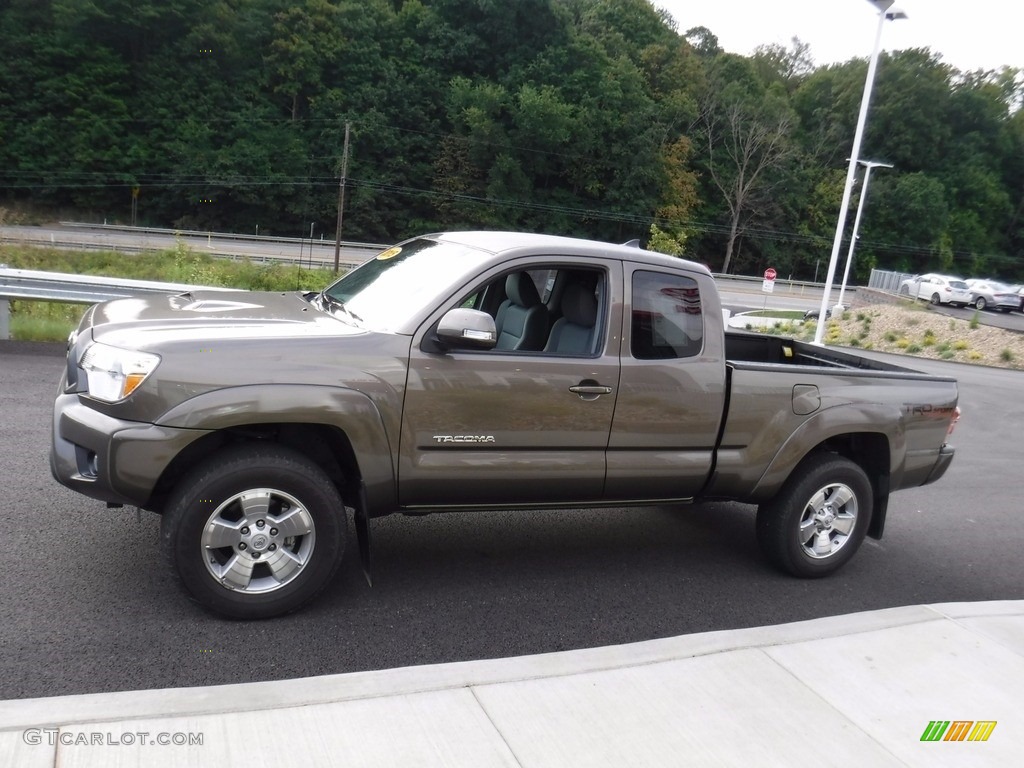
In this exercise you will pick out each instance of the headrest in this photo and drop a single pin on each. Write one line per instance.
(520, 289)
(579, 305)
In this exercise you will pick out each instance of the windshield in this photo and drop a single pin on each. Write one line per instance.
(400, 283)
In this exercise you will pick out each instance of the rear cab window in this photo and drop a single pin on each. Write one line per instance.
(667, 321)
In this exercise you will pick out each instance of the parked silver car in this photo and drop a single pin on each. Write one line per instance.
(938, 289)
(991, 294)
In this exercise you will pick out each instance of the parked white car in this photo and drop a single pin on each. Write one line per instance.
(938, 289)
(991, 294)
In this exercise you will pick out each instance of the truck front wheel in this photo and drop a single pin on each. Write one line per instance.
(255, 532)
(819, 518)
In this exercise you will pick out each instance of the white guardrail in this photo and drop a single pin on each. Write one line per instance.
(34, 285)
(86, 289)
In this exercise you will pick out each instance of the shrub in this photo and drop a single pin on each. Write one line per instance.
(975, 320)
(890, 336)
(1006, 356)
(913, 349)
(960, 344)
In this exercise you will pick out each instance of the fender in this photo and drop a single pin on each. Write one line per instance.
(840, 420)
(347, 409)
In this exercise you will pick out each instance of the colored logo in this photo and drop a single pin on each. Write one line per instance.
(958, 730)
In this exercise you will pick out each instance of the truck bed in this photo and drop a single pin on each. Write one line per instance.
(741, 347)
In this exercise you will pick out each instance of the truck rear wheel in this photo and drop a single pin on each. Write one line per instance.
(255, 532)
(818, 520)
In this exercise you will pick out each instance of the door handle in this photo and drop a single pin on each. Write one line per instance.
(589, 389)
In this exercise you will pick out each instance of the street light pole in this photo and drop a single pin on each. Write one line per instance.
(868, 165)
(884, 14)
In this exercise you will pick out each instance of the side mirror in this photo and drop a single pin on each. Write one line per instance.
(467, 329)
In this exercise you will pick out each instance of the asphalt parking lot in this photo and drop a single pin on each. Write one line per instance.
(89, 606)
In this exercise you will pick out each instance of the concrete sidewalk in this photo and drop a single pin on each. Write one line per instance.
(856, 690)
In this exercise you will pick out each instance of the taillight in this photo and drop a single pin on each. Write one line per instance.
(953, 421)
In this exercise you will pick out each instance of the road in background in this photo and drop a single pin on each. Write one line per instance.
(89, 604)
(314, 252)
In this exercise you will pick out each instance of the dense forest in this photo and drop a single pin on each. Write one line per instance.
(596, 118)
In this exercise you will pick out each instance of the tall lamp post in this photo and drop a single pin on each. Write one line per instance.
(868, 165)
(884, 14)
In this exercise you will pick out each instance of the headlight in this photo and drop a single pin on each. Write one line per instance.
(112, 373)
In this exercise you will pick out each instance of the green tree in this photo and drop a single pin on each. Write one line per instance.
(745, 131)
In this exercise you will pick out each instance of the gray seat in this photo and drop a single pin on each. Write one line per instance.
(522, 319)
(573, 332)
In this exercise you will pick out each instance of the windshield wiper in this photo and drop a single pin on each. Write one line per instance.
(333, 304)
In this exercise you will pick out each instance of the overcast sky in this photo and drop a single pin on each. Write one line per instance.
(969, 34)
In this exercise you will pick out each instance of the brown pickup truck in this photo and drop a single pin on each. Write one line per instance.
(475, 370)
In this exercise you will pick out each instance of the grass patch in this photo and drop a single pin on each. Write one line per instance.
(777, 314)
(41, 328)
(180, 265)
(44, 320)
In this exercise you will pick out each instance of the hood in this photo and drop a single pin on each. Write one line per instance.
(140, 322)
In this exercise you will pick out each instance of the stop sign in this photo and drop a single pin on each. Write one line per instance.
(769, 274)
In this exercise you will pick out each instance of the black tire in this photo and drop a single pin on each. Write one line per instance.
(290, 549)
(936, 299)
(799, 520)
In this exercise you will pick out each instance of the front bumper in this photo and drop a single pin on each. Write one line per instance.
(111, 459)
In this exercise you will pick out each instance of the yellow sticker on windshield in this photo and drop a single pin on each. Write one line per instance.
(390, 253)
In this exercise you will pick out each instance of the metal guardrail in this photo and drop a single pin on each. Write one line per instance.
(30, 284)
(79, 236)
(223, 235)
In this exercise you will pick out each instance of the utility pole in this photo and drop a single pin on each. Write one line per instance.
(341, 200)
